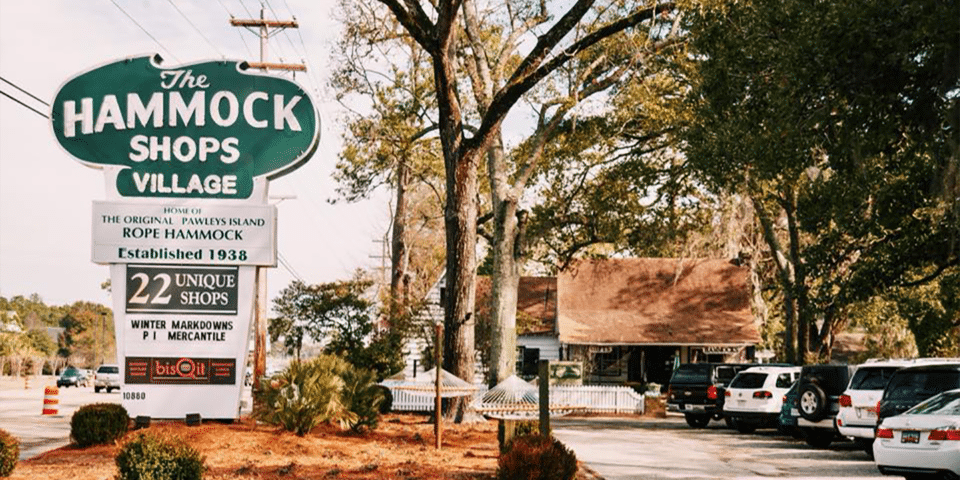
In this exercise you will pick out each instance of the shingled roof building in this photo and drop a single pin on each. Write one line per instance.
(629, 319)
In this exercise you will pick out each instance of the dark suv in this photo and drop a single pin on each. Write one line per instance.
(912, 385)
(696, 390)
(818, 401)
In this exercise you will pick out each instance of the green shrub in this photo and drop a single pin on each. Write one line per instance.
(527, 427)
(324, 389)
(362, 397)
(9, 453)
(304, 395)
(147, 456)
(98, 423)
(533, 457)
(386, 406)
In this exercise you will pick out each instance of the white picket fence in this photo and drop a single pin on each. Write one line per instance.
(593, 398)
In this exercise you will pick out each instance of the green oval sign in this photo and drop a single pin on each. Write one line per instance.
(202, 130)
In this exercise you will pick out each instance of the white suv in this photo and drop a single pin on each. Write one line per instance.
(108, 377)
(754, 397)
(857, 417)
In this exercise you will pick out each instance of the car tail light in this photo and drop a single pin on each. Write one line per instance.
(846, 401)
(945, 434)
(762, 394)
(712, 392)
(878, 408)
(727, 394)
(884, 433)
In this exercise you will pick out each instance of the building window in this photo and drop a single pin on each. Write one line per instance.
(607, 362)
(528, 360)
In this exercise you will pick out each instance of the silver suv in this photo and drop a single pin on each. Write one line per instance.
(107, 377)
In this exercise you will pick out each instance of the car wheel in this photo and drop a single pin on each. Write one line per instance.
(817, 438)
(96, 389)
(812, 402)
(744, 427)
(788, 431)
(865, 444)
(697, 421)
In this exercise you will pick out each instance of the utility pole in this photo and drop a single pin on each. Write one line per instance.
(264, 29)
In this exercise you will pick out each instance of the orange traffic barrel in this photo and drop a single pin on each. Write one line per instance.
(50, 400)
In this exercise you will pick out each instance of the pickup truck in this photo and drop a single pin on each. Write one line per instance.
(697, 389)
(107, 377)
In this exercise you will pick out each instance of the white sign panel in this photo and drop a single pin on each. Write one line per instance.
(184, 234)
(182, 335)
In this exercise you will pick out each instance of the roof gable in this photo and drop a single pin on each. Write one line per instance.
(536, 303)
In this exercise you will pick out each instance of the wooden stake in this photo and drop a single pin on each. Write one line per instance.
(437, 413)
(544, 384)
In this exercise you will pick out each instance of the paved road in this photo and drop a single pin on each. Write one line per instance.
(20, 414)
(632, 449)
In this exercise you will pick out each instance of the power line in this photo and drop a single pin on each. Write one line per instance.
(242, 38)
(286, 265)
(185, 17)
(145, 31)
(244, 5)
(24, 105)
(25, 92)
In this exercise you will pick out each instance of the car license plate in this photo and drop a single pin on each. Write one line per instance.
(741, 402)
(910, 436)
(866, 412)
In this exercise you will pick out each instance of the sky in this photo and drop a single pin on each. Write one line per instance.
(46, 195)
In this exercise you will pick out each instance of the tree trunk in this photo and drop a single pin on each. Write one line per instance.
(506, 271)
(786, 279)
(399, 256)
(461, 225)
(798, 285)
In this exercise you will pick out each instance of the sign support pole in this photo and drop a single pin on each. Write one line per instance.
(260, 333)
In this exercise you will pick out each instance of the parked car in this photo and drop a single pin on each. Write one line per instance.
(754, 397)
(857, 417)
(107, 377)
(787, 423)
(912, 385)
(73, 377)
(697, 390)
(818, 401)
(923, 441)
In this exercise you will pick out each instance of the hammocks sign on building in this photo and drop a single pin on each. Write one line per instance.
(187, 153)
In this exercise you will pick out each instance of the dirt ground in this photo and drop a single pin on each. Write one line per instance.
(401, 448)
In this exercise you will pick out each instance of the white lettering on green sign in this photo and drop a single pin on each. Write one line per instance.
(202, 131)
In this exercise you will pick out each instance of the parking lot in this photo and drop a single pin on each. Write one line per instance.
(634, 449)
(616, 448)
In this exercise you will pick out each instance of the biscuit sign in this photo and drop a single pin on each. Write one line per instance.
(202, 130)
